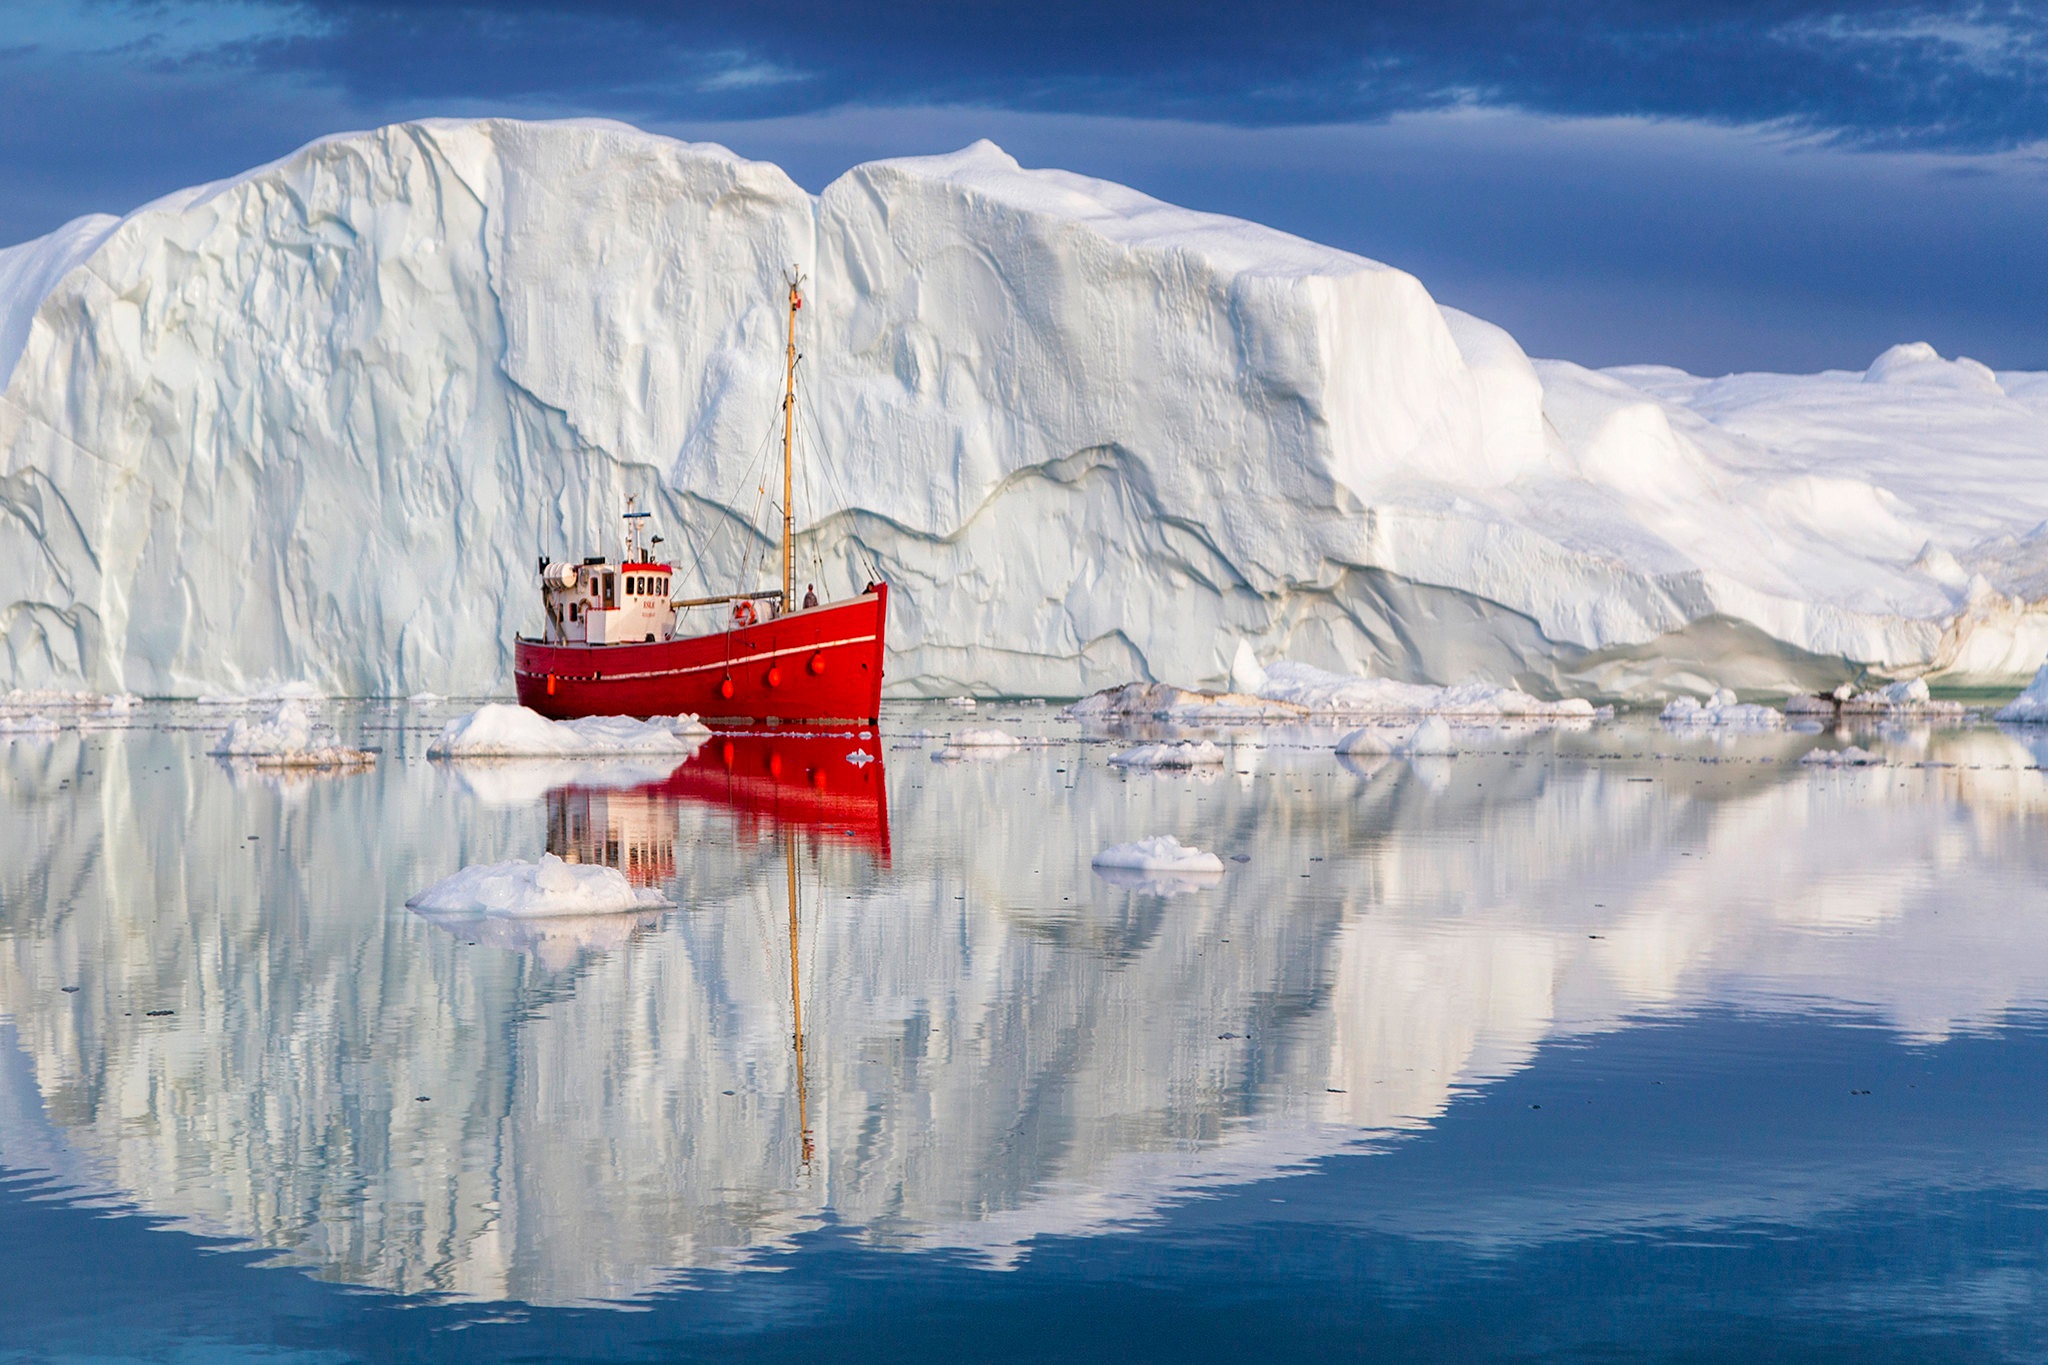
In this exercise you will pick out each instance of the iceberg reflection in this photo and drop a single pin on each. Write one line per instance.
(998, 1043)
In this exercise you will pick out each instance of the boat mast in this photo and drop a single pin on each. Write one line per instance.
(788, 440)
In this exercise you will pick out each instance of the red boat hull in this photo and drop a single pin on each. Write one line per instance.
(823, 664)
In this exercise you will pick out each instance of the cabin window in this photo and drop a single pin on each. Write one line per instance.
(575, 614)
(610, 593)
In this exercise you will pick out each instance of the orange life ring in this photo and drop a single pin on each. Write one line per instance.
(743, 613)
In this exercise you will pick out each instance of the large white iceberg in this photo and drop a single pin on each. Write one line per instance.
(317, 420)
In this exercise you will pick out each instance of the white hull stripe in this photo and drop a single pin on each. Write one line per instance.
(697, 668)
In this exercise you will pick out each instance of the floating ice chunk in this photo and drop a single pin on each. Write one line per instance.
(28, 725)
(860, 758)
(1163, 701)
(987, 739)
(978, 744)
(1909, 697)
(1432, 737)
(1289, 691)
(964, 703)
(548, 887)
(1186, 754)
(1161, 853)
(2031, 706)
(1721, 709)
(425, 698)
(1851, 757)
(502, 730)
(289, 738)
(44, 698)
(1322, 692)
(1372, 740)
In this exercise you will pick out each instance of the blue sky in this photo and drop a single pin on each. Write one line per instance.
(1736, 185)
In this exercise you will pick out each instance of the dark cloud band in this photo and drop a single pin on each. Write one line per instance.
(1954, 76)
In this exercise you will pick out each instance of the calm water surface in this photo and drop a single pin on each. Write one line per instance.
(1605, 1040)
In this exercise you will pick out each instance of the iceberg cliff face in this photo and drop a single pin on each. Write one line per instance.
(314, 424)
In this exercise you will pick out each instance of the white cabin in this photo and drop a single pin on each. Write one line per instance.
(599, 602)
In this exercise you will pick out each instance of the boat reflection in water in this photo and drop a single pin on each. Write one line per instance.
(782, 787)
(827, 787)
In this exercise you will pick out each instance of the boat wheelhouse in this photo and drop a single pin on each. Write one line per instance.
(614, 638)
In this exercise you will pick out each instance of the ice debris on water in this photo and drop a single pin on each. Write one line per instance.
(503, 730)
(1161, 853)
(1431, 738)
(288, 737)
(1185, 754)
(978, 744)
(1721, 709)
(1290, 691)
(1851, 757)
(860, 758)
(28, 725)
(548, 887)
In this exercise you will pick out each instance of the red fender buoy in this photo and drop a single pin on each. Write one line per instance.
(775, 675)
(775, 765)
(817, 663)
(725, 688)
(551, 684)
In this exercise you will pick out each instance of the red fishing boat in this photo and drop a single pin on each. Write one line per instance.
(612, 642)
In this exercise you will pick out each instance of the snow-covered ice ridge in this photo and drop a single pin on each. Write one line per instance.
(313, 422)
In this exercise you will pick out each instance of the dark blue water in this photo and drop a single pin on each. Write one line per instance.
(1712, 1188)
(1548, 1051)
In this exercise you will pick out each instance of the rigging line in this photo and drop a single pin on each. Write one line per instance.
(718, 530)
(866, 562)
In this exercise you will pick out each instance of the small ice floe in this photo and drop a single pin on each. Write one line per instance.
(288, 737)
(1185, 754)
(1291, 691)
(48, 698)
(1908, 699)
(425, 698)
(1163, 701)
(1159, 866)
(1851, 757)
(964, 703)
(1721, 709)
(503, 730)
(978, 744)
(2031, 706)
(1432, 738)
(548, 887)
(31, 724)
(860, 758)
(1321, 692)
